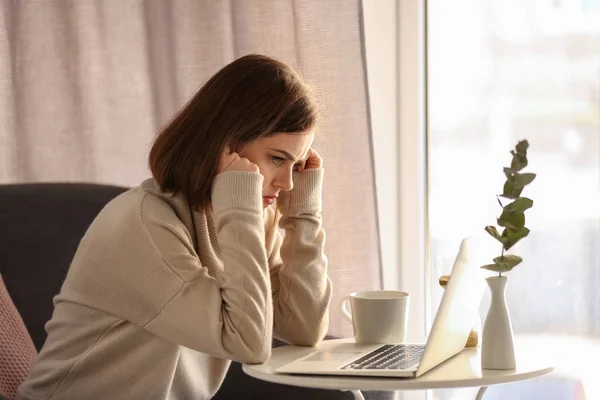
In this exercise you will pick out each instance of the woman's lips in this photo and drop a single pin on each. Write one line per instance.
(269, 199)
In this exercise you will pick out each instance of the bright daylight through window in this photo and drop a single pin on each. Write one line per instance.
(502, 71)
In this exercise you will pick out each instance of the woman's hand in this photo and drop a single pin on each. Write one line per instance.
(231, 161)
(313, 161)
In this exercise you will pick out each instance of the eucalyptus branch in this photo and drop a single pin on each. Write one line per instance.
(512, 218)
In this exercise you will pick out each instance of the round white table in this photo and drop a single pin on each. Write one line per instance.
(462, 370)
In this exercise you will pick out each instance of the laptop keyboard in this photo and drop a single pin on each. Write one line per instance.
(397, 356)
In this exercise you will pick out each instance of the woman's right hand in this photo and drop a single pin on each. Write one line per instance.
(231, 161)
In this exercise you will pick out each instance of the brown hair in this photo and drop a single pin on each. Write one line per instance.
(252, 97)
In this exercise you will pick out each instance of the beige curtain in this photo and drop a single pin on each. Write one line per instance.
(85, 85)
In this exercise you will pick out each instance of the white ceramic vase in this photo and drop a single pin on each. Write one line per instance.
(497, 347)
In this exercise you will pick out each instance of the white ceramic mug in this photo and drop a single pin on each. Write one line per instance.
(378, 316)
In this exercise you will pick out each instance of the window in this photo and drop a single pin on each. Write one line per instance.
(496, 72)
(500, 71)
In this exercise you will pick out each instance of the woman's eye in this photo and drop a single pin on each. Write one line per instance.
(277, 160)
(297, 167)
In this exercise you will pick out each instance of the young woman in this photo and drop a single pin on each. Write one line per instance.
(188, 271)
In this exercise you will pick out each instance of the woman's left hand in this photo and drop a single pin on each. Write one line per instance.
(313, 161)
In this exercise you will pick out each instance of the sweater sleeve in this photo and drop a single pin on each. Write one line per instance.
(298, 265)
(230, 317)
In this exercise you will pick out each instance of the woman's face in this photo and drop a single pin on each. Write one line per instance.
(277, 156)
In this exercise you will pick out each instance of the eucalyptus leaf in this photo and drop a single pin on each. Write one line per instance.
(510, 237)
(523, 179)
(520, 204)
(522, 147)
(510, 174)
(494, 233)
(509, 259)
(512, 220)
(506, 224)
(504, 263)
(516, 193)
(497, 267)
(518, 162)
(499, 202)
(510, 191)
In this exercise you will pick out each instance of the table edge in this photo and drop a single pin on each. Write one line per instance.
(336, 382)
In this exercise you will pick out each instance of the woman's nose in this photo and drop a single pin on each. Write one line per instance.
(284, 180)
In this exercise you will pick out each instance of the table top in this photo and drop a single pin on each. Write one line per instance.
(462, 370)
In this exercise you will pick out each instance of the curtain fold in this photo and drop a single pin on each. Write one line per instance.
(86, 85)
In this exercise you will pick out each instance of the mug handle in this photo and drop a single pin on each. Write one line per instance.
(344, 310)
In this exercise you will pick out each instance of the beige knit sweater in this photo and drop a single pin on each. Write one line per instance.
(159, 297)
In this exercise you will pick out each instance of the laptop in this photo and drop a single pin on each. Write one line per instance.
(451, 327)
